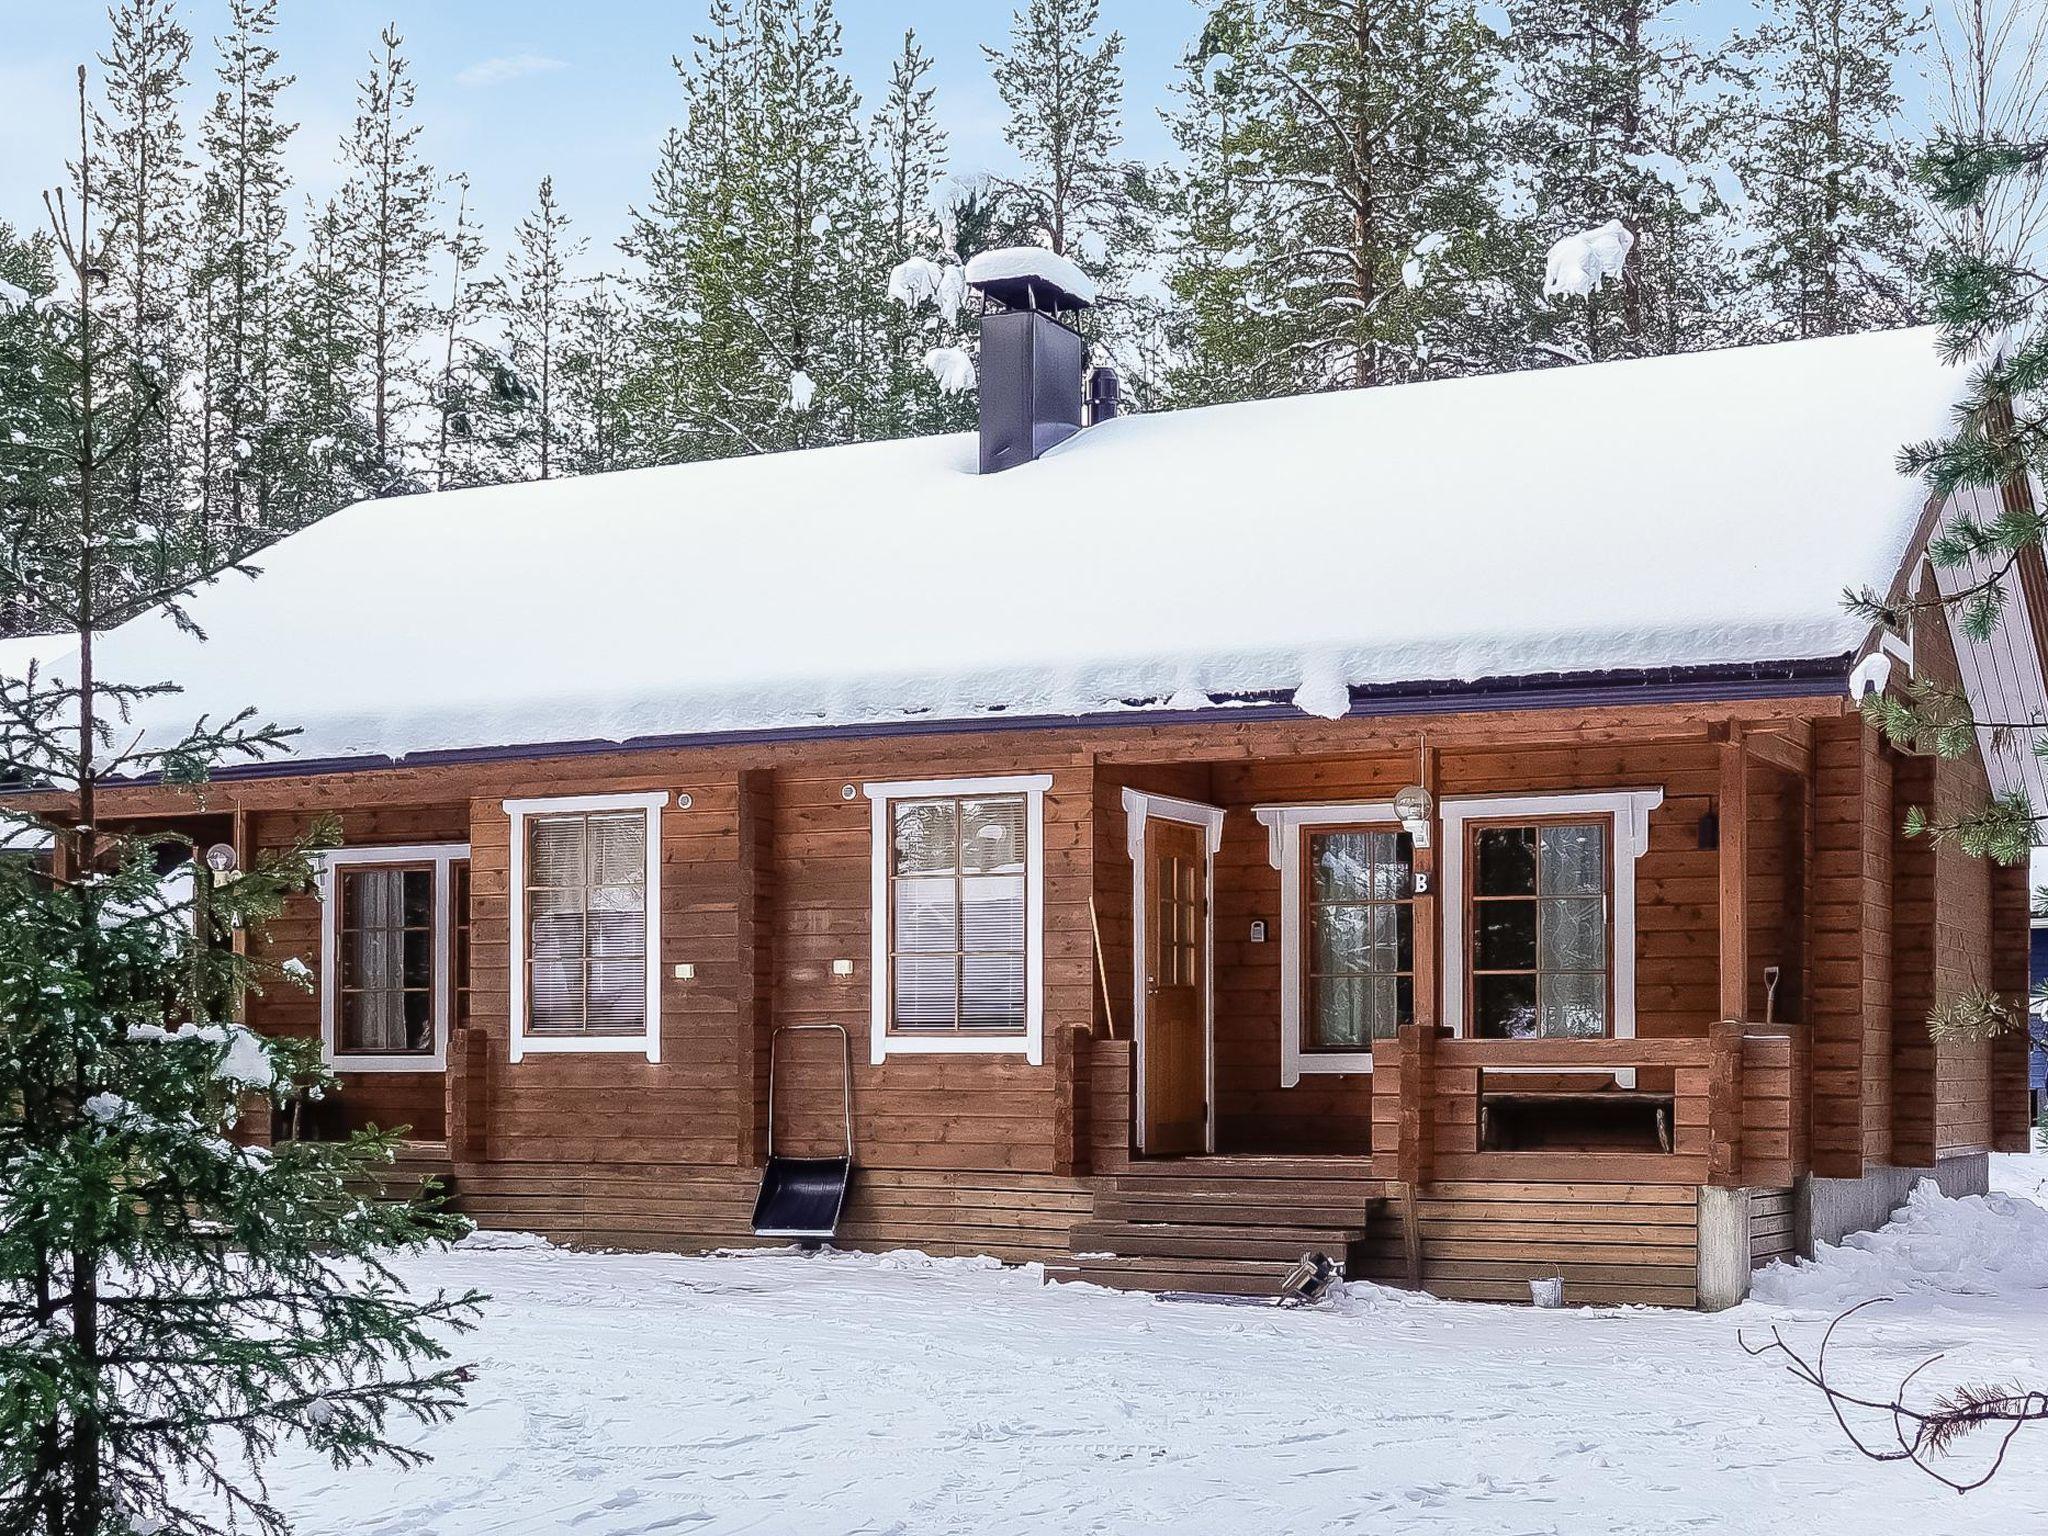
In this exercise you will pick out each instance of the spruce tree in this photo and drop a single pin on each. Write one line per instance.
(1617, 122)
(33, 417)
(173, 1305)
(1839, 241)
(1335, 221)
(927, 284)
(761, 246)
(241, 273)
(537, 292)
(145, 181)
(326, 450)
(596, 361)
(386, 232)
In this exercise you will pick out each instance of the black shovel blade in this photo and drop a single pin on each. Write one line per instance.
(801, 1196)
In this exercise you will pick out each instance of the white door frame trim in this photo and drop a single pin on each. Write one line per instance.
(1141, 807)
(440, 856)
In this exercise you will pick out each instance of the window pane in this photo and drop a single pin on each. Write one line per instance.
(1572, 861)
(1338, 1015)
(618, 996)
(1507, 935)
(992, 912)
(926, 915)
(1574, 1006)
(556, 989)
(992, 835)
(1338, 940)
(1507, 861)
(555, 851)
(1573, 934)
(1506, 1006)
(992, 992)
(925, 840)
(1340, 866)
(926, 990)
(419, 957)
(616, 935)
(419, 897)
(419, 1029)
(618, 849)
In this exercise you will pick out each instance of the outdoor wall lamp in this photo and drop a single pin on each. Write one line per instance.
(1413, 806)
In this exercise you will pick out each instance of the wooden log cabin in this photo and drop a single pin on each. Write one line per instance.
(1427, 824)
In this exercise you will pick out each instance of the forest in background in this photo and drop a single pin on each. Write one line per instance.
(1364, 193)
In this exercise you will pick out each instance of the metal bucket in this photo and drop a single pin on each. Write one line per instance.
(1547, 1293)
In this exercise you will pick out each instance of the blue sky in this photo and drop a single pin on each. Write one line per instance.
(510, 90)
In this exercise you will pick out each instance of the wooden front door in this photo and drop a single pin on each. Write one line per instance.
(1176, 989)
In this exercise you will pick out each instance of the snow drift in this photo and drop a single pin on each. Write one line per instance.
(1978, 1245)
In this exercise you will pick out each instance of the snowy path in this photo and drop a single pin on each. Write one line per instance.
(776, 1393)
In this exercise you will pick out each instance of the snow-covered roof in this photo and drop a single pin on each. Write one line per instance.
(1683, 511)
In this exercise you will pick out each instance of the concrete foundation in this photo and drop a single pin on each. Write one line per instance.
(1723, 1247)
(1830, 1209)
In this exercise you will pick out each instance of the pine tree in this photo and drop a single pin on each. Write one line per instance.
(241, 271)
(1063, 86)
(1335, 221)
(596, 361)
(537, 293)
(478, 398)
(762, 294)
(1841, 244)
(386, 233)
(327, 452)
(172, 1305)
(145, 184)
(1987, 171)
(911, 149)
(1617, 124)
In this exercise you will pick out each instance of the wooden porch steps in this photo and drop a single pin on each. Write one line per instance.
(1226, 1225)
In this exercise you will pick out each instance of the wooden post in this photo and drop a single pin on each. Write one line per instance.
(1724, 1103)
(1733, 815)
(1427, 983)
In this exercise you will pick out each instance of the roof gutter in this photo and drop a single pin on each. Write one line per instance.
(1556, 690)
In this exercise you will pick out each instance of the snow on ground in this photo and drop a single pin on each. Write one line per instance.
(768, 1393)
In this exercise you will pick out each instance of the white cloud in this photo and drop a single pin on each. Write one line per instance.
(509, 67)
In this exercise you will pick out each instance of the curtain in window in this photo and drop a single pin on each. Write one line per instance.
(387, 933)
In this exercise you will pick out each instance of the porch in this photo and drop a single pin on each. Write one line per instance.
(1473, 1143)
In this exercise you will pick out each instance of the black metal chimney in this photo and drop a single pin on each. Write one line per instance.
(1031, 359)
(1105, 394)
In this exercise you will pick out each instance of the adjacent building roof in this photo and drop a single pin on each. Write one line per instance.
(1696, 511)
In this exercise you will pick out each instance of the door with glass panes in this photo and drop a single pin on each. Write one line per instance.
(1176, 1043)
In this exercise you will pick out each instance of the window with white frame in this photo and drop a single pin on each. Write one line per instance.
(1347, 932)
(1539, 912)
(586, 895)
(958, 877)
(389, 972)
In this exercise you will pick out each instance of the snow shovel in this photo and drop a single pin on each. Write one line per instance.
(801, 1197)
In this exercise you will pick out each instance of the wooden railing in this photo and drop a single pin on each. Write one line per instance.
(1733, 1119)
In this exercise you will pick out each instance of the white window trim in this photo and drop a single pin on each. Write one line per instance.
(1629, 810)
(1139, 808)
(1031, 1044)
(1283, 824)
(440, 856)
(648, 1042)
